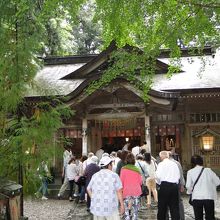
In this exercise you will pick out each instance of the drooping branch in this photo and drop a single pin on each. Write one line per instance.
(212, 5)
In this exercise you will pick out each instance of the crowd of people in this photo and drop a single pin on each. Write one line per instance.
(116, 185)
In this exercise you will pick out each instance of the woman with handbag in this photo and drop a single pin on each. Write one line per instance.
(151, 181)
(201, 183)
(141, 164)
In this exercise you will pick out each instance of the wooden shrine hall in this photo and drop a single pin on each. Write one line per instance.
(178, 108)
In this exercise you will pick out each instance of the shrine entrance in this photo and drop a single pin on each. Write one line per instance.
(117, 143)
(112, 134)
(167, 137)
(113, 114)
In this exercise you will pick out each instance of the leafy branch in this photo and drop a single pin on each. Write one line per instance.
(211, 4)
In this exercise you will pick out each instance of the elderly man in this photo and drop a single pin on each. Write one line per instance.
(105, 190)
(88, 160)
(181, 184)
(168, 176)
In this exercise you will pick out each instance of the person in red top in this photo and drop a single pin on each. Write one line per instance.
(131, 181)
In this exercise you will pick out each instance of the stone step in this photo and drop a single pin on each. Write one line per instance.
(52, 194)
(54, 187)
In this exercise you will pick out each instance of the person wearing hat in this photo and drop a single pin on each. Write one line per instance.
(105, 191)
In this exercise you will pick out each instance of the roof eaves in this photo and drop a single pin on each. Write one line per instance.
(188, 52)
(57, 60)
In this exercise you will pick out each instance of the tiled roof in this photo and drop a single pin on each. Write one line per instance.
(194, 76)
(47, 81)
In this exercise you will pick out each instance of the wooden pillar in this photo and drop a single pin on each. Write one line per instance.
(84, 136)
(147, 131)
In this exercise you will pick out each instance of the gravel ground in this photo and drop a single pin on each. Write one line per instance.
(36, 209)
(51, 209)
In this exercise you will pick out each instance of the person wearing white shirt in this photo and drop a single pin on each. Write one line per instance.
(67, 155)
(115, 160)
(74, 170)
(99, 153)
(204, 193)
(105, 191)
(167, 176)
(136, 150)
(88, 160)
(126, 146)
(150, 181)
(141, 164)
(71, 174)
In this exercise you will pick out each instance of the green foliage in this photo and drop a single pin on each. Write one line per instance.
(87, 31)
(28, 141)
(28, 26)
(130, 64)
(18, 34)
(68, 32)
(151, 26)
(26, 137)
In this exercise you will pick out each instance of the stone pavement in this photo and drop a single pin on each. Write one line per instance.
(54, 209)
(79, 212)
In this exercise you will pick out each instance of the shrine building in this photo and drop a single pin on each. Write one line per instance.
(181, 111)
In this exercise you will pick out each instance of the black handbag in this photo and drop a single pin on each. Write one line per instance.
(190, 196)
(144, 188)
(81, 181)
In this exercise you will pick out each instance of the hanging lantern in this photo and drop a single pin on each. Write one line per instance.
(207, 138)
(207, 142)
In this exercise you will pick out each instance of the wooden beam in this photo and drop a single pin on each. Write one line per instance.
(116, 105)
(116, 115)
